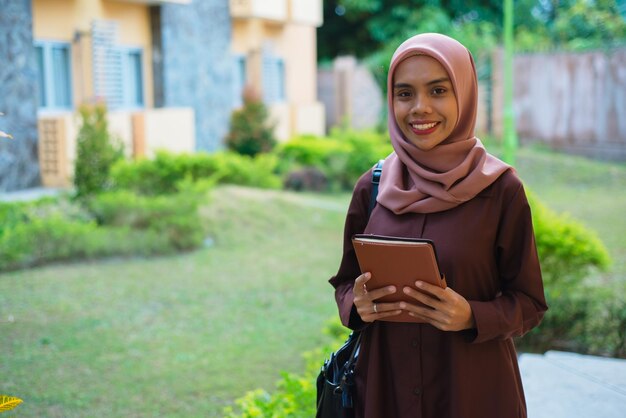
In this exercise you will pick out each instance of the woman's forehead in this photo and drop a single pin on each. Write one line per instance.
(420, 66)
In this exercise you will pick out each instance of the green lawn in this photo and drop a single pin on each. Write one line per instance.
(184, 335)
(178, 336)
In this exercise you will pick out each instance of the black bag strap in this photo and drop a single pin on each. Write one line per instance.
(377, 173)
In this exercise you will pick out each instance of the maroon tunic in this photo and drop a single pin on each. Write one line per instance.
(486, 250)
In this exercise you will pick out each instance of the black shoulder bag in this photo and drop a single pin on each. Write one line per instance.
(335, 383)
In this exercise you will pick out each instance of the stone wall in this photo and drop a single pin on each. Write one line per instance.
(573, 102)
(198, 66)
(350, 94)
(19, 167)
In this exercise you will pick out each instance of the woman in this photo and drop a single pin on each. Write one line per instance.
(441, 184)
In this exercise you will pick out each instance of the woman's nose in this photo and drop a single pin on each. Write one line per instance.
(421, 104)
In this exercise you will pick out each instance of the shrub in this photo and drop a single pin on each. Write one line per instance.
(589, 319)
(175, 217)
(96, 152)
(112, 223)
(43, 240)
(566, 248)
(342, 157)
(163, 174)
(251, 132)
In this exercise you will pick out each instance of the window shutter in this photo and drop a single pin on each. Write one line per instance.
(107, 63)
(239, 80)
(273, 79)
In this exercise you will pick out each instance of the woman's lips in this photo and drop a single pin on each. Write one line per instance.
(423, 128)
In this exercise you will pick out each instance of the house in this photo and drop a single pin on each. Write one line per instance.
(169, 71)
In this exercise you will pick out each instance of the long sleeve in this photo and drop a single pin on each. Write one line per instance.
(343, 281)
(521, 304)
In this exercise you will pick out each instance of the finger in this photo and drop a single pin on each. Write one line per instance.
(430, 288)
(359, 284)
(362, 279)
(428, 300)
(383, 291)
(388, 307)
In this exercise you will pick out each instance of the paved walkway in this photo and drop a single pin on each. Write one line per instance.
(568, 385)
(29, 194)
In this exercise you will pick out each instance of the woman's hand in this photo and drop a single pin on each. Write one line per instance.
(364, 300)
(445, 309)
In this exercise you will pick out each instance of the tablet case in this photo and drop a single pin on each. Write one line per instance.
(400, 262)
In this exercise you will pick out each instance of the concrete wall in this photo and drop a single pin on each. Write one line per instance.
(574, 102)
(350, 95)
(198, 66)
(19, 167)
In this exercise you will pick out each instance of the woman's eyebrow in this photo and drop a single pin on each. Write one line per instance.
(439, 80)
(436, 81)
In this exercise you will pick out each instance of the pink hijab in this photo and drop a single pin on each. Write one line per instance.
(458, 168)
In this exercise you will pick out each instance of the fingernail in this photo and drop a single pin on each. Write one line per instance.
(368, 275)
(391, 288)
(418, 283)
(406, 290)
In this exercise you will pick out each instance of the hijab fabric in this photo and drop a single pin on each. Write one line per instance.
(458, 168)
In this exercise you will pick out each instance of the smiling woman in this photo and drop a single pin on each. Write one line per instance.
(457, 359)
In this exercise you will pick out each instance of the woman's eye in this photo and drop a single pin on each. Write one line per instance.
(438, 91)
(403, 94)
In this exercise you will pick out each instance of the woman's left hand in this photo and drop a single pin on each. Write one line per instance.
(446, 309)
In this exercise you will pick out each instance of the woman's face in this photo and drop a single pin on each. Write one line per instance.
(424, 103)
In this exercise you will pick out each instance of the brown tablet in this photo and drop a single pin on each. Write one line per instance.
(399, 262)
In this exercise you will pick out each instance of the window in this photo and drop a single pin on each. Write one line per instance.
(239, 80)
(132, 78)
(117, 70)
(273, 79)
(54, 77)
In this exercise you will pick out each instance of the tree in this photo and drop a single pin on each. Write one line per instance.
(250, 130)
(363, 27)
(96, 152)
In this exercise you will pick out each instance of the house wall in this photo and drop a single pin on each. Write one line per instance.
(198, 66)
(19, 166)
(289, 31)
(70, 21)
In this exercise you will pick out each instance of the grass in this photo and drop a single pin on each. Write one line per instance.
(179, 336)
(185, 335)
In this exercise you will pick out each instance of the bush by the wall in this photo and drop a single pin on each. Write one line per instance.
(96, 151)
(174, 217)
(44, 240)
(113, 223)
(566, 248)
(162, 174)
(342, 156)
(251, 131)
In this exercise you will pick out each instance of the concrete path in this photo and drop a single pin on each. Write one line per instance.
(568, 385)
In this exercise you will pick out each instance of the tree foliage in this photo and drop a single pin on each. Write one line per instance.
(96, 152)
(251, 131)
(363, 27)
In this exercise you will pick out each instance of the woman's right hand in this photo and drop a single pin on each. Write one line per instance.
(365, 300)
